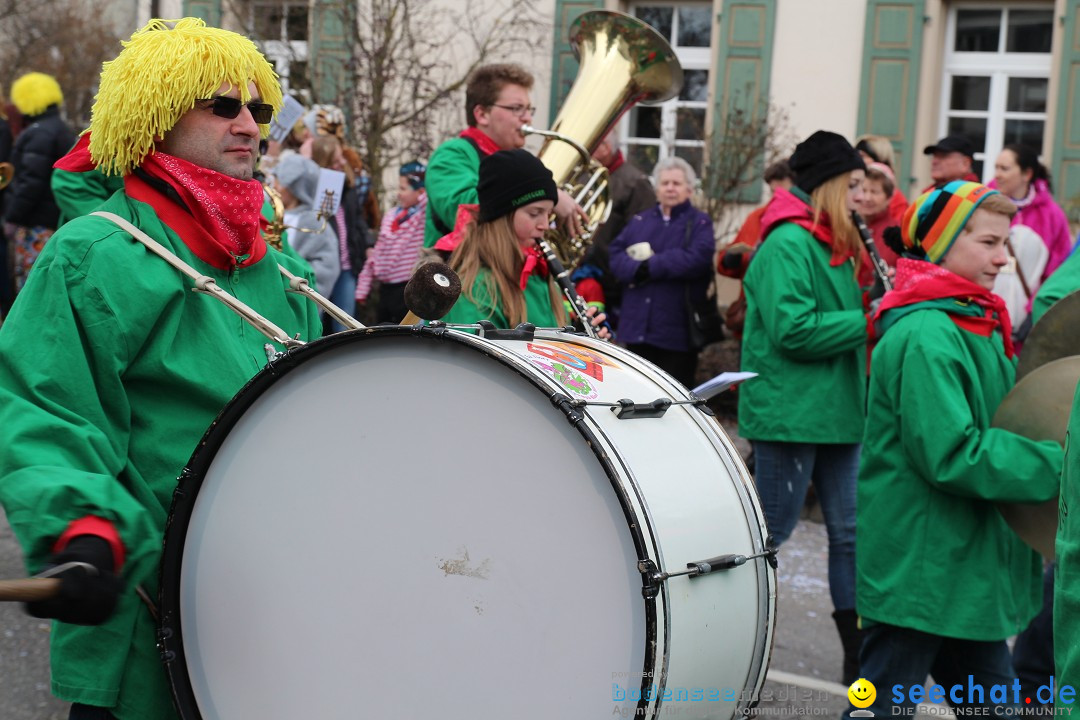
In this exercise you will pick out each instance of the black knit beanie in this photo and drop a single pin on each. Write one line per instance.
(821, 157)
(510, 179)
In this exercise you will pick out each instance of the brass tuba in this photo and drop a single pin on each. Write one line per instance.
(623, 61)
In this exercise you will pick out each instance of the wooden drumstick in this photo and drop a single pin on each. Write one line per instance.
(29, 589)
(430, 293)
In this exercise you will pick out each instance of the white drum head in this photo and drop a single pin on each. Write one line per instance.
(404, 532)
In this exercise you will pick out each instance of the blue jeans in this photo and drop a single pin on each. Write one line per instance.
(782, 473)
(894, 655)
(343, 295)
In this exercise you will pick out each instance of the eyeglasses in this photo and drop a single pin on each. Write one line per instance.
(517, 110)
(229, 108)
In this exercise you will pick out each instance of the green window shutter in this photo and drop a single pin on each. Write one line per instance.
(208, 10)
(1066, 161)
(742, 72)
(892, 47)
(564, 65)
(328, 50)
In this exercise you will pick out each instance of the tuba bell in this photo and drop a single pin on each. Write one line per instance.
(623, 62)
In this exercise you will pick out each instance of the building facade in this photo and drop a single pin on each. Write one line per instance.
(911, 70)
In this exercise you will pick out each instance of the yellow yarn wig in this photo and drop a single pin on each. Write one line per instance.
(34, 92)
(162, 70)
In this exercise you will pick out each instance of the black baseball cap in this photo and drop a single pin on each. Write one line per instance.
(952, 143)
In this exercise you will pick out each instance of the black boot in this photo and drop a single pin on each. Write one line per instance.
(847, 625)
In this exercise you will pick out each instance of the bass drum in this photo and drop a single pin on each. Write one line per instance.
(400, 522)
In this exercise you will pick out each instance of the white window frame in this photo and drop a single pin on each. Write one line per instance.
(282, 52)
(999, 67)
(691, 58)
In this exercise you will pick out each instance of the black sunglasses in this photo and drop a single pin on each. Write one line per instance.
(229, 108)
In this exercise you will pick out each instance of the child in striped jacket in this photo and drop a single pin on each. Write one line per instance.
(401, 236)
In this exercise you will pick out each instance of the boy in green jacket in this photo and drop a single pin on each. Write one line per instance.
(941, 580)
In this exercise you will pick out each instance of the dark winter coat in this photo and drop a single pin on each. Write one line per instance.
(45, 140)
(358, 235)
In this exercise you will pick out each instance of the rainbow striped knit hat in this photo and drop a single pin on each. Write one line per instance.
(935, 218)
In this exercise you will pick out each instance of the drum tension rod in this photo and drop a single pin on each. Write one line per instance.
(653, 576)
(627, 409)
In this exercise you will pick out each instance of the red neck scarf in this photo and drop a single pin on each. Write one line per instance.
(220, 217)
(534, 263)
(77, 158)
(487, 145)
(616, 162)
(920, 281)
(786, 206)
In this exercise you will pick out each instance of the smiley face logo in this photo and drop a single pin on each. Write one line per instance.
(862, 693)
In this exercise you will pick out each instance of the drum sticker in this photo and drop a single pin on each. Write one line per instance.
(572, 381)
(571, 356)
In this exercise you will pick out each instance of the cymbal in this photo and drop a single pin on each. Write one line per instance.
(1053, 337)
(1038, 407)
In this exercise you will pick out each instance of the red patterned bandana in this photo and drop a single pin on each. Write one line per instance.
(920, 281)
(534, 263)
(229, 210)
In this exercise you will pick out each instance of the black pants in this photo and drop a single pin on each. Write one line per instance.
(89, 712)
(391, 303)
(680, 364)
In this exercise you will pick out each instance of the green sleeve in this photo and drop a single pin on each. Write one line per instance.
(947, 443)
(65, 414)
(483, 305)
(1067, 581)
(80, 193)
(782, 281)
(450, 181)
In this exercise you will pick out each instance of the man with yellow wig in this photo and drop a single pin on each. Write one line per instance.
(111, 368)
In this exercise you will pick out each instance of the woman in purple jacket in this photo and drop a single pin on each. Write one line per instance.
(658, 255)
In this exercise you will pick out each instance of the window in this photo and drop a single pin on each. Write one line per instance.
(282, 21)
(282, 30)
(997, 69)
(677, 127)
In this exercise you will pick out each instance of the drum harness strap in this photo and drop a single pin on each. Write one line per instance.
(207, 285)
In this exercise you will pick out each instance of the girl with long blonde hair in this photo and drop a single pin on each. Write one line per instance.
(503, 274)
(805, 335)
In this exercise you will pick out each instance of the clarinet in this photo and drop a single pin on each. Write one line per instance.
(562, 278)
(880, 266)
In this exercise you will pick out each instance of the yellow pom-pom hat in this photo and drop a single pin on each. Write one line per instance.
(34, 92)
(159, 75)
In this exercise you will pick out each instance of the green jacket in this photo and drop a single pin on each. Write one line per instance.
(487, 307)
(1067, 575)
(1063, 281)
(933, 552)
(80, 193)
(450, 180)
(805, 336)
(111, 370)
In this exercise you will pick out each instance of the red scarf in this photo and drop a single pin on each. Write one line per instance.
(78, 158)
(534, 263)
(220, 217)
(920, 281)
(616, 162)
(487, 145)
(785, 206)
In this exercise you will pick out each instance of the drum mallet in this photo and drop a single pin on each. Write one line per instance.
(430, 293)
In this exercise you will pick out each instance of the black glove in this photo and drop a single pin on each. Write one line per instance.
(877, 290)
(641, 275)
(86, 597)
(732, 260)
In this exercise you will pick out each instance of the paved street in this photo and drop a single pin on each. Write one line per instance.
(805, 659)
